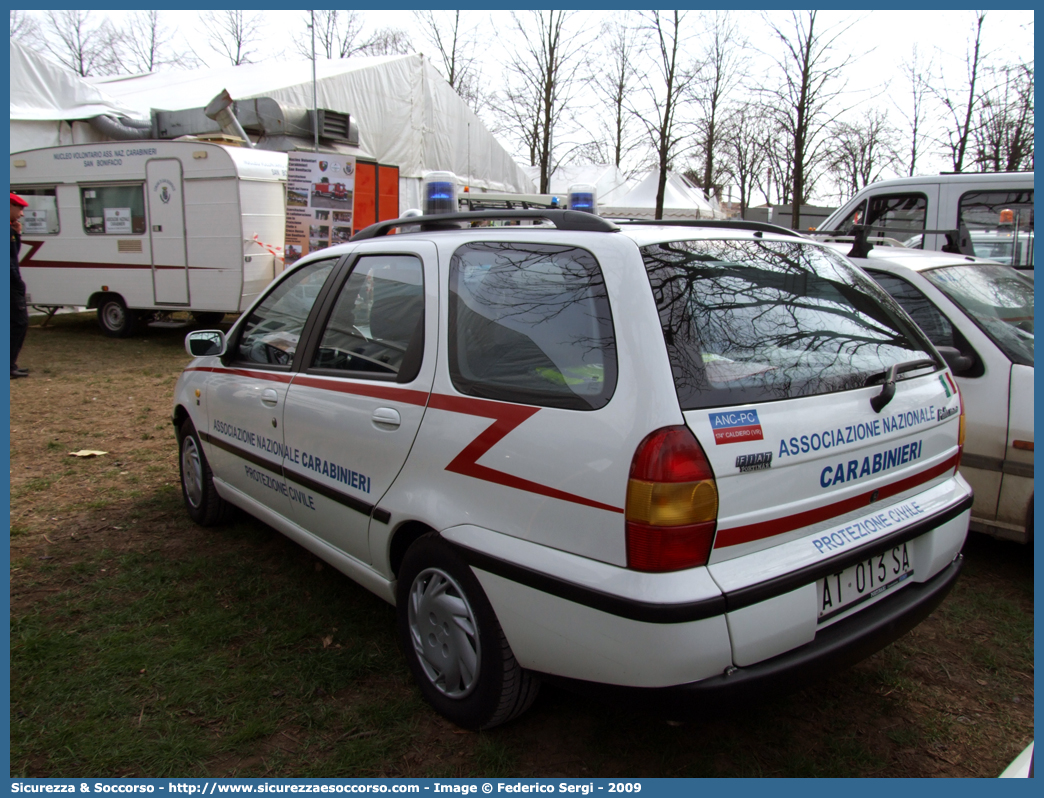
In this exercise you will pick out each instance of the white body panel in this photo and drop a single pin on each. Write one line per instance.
(998, 406)
(589, 520)
(196, 250)
(536, 494)
(943, 192)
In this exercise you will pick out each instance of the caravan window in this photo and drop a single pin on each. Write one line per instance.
(41, 217)
(114, 210)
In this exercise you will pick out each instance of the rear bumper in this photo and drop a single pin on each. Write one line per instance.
(837, 646)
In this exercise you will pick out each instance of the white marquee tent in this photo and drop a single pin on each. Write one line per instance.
(610, 183)
(49, 104)
(408, 115)
(680, 201)
(635, 197)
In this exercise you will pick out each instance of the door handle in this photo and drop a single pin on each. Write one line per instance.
(269, 397)
(386, 417)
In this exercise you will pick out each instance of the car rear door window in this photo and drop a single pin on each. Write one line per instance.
(531, 323)
(928, 317)
(376, 328)
(754, 321)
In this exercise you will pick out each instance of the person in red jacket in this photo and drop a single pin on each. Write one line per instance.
(19, 310)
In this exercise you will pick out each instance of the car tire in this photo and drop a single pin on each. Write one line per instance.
(454, 645)
(115, 318)
(202, 501)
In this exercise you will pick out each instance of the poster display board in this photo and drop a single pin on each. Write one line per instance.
(320, 192)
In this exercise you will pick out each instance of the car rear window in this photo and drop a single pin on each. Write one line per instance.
(530, 323)
(754, 321)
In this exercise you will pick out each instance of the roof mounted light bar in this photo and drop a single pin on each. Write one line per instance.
(562, 220)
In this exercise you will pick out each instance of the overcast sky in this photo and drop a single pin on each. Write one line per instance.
(880, 41)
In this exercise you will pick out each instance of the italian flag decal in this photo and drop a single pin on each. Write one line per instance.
(946, 384)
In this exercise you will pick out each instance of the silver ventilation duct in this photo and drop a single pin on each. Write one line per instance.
(122, 129)
(220, 110)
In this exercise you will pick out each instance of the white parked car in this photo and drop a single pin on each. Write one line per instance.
(686, 462)
(984, 311)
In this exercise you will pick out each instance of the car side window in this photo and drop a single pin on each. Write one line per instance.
(921, 309)
(898, 212)
(854, 217)
(1000, 224)
(273, 329)
(376, 328)
(531, 323)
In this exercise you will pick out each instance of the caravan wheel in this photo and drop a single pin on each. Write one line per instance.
(115, 318)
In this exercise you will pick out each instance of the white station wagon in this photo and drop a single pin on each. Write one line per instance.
(683, 463)
(983, 312)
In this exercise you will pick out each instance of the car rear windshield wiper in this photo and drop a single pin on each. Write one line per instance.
(888, 391)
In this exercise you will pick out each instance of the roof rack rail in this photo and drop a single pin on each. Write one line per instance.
(725, 224)
(561, 219)
(958, 241)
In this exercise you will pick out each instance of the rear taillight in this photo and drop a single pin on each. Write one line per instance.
(672, 503)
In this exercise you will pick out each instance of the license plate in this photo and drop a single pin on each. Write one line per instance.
(864, 581)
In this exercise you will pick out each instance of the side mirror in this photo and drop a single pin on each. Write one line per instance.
(957, 362)
(205, 343)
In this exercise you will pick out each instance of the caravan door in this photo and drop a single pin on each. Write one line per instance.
(167, 231)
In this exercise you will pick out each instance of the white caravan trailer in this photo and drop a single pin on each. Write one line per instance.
(141, 229)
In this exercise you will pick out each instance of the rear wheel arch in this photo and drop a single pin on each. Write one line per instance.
(404, 537)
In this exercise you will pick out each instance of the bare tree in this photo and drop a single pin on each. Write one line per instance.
(1004, 130)
(863, 151)
(918, 76)
(338, 34)
(779, 166)
(456, 45)
(148, 45)
(611, 76)
(233, 34)
(388, 41)
(722, 55)
(543, 68)
(73, 39)
(744, 150)
(25, 29)
(960, 104)
(806, 99)
(665, 88)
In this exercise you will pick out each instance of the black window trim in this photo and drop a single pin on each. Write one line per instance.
(24, 188)
(524, 396)
(115, 184)
(235, 335)
(323, 308)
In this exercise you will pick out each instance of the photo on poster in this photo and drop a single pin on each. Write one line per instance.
(318, 184)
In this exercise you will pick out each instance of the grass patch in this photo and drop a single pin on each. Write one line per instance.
(142, 645)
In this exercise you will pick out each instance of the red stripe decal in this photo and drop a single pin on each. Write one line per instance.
(506, 417)
(777, 526)
(374, 390)
(271, 376)
(34, 246)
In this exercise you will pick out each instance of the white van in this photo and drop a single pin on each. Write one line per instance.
(1000, 203)
(142, 228)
